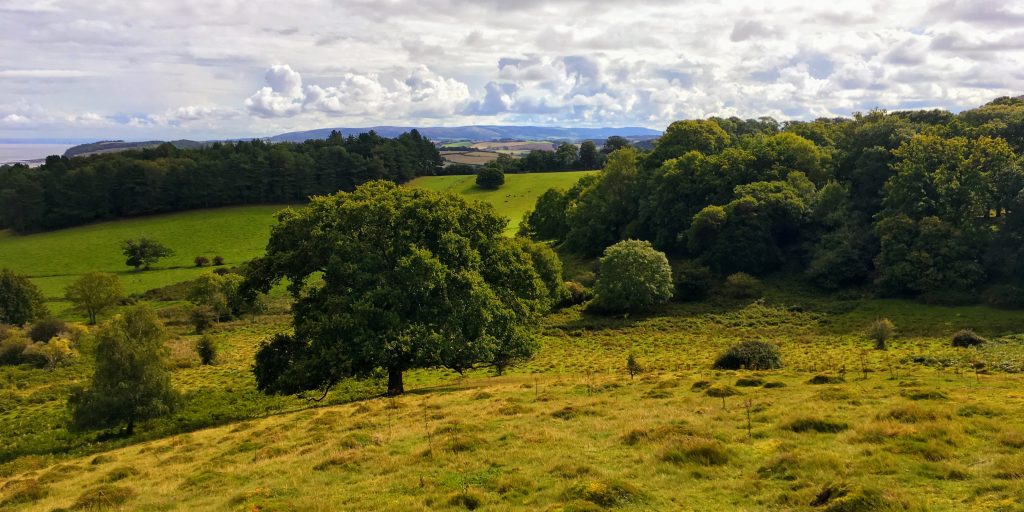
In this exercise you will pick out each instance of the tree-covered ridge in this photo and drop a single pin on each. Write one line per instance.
(66, 192)
(922, 203)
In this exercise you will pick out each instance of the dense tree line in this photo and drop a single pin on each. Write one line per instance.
(67, 192)
(923, 203)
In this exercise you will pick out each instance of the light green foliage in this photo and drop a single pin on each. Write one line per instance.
(131, 382)
(20, 299)
(682, 137)
(743, 286)
(94, 293)
(410, 279)
(633, 276)
(219, 292)
(598, 218)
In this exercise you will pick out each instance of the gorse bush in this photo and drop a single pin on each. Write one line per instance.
(751, 355)
(46, 329)
(881, 331)
(633, 276)
(206, 350)
(967, 338)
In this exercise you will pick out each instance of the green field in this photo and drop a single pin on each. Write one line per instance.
(56, 258)
(513, 199)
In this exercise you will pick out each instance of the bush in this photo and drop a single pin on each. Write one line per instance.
(201, 261)
(207, 350)
(633, 367)
(633, 276)
(48, 355)
(1004, 296)
(576, 293)
(967, 338)
(692, 280)
(11, 350)
(202, 317)
(21, 301)
(218, 261)
(751, 355)
(46, 329)
(490, 178)
(881, 331)
(743, 286)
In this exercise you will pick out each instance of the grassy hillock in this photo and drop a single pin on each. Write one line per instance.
(517, 196)
(921, 426)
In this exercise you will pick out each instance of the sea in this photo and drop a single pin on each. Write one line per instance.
(30, 153)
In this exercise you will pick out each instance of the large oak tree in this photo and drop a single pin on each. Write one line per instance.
(387, 279)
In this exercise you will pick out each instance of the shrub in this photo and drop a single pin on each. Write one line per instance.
(6, 331)
(967, 338)
(218, 260)
(48, 355)
(201, 261)
(749, 382)
(633, 276)
(606, 494)
(11, 350)
(575, 293)
(207, 350)
(490, 178)
(1004, 296)
(692, 280)
(881, 331)
(202, 317)
(704, 452)
(45, 329)
(820, 425)
(825, 379)
(743, 286)
(633, 367)
(751, 355)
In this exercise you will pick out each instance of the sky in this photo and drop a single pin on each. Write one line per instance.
(221, 69)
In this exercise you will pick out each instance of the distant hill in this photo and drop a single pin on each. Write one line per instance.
(480, 133)
(113, 146)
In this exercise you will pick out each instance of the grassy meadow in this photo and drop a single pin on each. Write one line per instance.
(842, 427)
(517, 196)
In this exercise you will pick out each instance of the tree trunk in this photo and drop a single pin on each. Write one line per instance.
(395, 386)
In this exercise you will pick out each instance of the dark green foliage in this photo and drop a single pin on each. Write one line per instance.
(201, 261)
(131, 382)
(750, 355)
(589, 157)
(1004, 296)
(202, 317)
(633, 367)
(692, 280)
(45, 329)
(826, 379)
(20, 299)
(490, 178)
(207, 350)
(549, 269)
(749, 382)
(218, 261)
(67, 192)
(11, 350)
(633, 276)
(743, 286)
(144, 252)
(967, 338)
(410, 279)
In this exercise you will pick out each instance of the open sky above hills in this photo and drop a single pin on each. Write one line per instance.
(197, 69)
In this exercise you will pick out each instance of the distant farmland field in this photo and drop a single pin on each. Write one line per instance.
(469, 157)
(512, 200)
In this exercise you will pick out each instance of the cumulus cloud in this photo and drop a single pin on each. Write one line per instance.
(422, 93)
